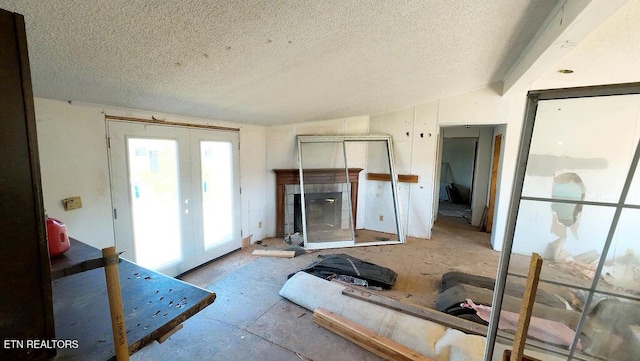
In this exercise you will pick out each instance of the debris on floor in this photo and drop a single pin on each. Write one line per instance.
(609, 325)
(299, 251)
(426, 338)
(341, 264)
(586, 271)
(553, 332)
(350, 280)
(294, 238)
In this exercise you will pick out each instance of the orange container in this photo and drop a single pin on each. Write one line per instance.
(57, 237)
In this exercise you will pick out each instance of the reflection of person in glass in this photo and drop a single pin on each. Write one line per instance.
(567, 186)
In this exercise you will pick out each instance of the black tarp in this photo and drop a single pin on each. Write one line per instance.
(342, 264)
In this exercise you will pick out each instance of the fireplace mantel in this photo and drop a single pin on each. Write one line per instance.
(312, 176)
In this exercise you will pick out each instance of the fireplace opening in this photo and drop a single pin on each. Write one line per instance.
(324, 211)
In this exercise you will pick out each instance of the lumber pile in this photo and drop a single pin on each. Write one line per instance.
(365, 338)
(426, 338)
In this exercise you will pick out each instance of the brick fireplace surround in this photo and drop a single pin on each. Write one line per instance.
(286, 177)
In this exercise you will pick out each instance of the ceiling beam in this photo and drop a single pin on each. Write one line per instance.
(569, 23)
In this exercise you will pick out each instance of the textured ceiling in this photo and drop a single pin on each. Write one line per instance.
(611, 54)
(272, 62)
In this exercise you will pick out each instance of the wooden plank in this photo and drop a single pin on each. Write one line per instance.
(274, 253)
(166, 336)
(78, 252)
(494, 181)
(386, 177)
(114, 294)
(79, 258)
(417, 311)
(154, 304)
(483, 219)
(527, 307)
(83, 266)
(365, 338)
(506, 356)
(170, 123)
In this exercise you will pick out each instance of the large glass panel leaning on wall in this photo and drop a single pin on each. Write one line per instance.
(324, 201)
(335, 166)
(577, 157)
(581, 148)
(379, 218)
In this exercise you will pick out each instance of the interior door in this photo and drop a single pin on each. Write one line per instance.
(175, 193)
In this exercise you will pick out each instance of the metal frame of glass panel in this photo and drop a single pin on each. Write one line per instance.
(533, 98)
(343, 139)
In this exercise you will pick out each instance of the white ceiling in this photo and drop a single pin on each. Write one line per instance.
(271, 62)
(610, 54)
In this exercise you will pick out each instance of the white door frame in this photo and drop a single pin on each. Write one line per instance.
(188, 138)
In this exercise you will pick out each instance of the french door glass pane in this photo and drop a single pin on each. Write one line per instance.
(154, 184)
(217, 191)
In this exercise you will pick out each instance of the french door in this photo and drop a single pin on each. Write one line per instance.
(175, 193)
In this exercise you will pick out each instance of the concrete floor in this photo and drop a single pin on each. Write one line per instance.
(250, 321)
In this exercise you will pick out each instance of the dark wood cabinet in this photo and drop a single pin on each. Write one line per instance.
(26, 308)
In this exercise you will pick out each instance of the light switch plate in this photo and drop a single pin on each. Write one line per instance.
(72, 203)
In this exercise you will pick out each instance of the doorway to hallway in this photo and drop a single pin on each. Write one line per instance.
(465, 175)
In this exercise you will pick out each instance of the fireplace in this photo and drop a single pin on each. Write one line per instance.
(317, 181)
(323, 211)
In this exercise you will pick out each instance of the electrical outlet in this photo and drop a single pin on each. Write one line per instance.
(72, 203)
(381, 218)
(259, 224)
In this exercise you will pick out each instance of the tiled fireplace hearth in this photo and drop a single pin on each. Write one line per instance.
(325, 189)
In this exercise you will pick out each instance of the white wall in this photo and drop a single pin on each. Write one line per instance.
(418, 155)
(73, 160)
(511, 134)
(253, 180)
(414, 142)
(282, 153)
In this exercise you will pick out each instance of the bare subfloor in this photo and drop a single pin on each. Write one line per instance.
(250, 321)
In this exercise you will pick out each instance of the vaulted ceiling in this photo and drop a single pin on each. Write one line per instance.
(271, 62)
